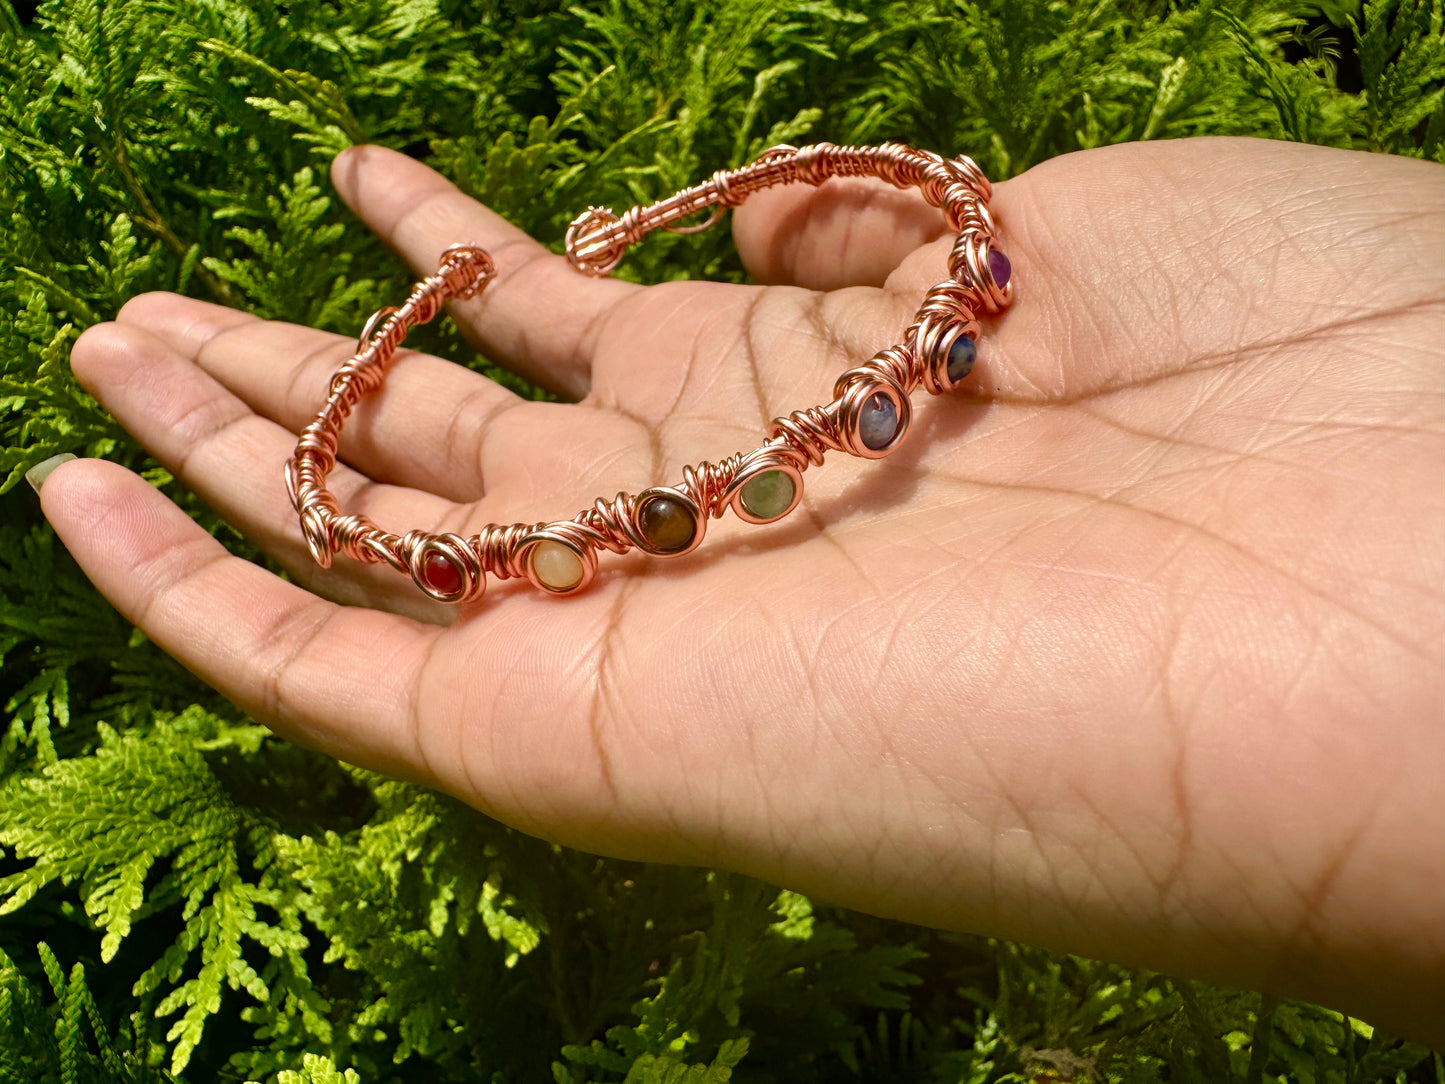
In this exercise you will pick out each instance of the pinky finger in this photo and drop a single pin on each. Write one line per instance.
(290, 659)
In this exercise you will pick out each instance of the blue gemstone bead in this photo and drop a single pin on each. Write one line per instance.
(960, 358)
(878, 421)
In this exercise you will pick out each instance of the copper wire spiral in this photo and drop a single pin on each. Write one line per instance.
(806, 435)
(932, 354)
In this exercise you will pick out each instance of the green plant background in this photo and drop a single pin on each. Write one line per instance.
(184, 897)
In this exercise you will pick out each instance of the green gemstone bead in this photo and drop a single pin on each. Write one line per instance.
(769, 494)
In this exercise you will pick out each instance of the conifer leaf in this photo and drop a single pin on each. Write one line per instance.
(66, 1039)
(292, 271)
(1402, 63)
(173, 810)
(663, 1069)
(43, 698)
(300, 115)
(316, 1069)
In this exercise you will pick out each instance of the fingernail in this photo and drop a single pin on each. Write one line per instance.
(37, 474)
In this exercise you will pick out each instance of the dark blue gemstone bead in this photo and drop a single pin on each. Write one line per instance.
(960, 358)
(878, 421)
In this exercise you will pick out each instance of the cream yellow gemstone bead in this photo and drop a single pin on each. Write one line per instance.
(556, 567)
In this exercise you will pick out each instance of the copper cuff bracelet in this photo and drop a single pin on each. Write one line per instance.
(868, 416)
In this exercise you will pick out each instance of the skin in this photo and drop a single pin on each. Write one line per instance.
(1134, 648)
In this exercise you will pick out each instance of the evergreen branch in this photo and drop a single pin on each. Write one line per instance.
(150, 218)
(1259, 1045)
(1271, 76)
(171, 808)
(319, 96)
(10, 22)
(316, 1069)
(66, 1041)
(59, 295)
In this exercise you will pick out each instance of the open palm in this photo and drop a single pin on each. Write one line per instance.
(1134, 647)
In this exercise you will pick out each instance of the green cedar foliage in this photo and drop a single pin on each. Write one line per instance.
(229, 907)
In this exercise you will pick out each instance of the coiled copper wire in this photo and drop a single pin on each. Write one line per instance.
(451, 568)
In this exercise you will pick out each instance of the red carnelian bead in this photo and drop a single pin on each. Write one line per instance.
(441, 574)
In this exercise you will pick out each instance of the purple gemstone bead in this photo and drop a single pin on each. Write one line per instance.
(999, 267)
(878, 421)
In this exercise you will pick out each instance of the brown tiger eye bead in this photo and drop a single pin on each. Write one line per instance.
(666, 524)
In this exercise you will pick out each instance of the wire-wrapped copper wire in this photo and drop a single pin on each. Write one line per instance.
(868, 416)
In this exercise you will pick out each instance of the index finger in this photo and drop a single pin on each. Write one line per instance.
(537, 317)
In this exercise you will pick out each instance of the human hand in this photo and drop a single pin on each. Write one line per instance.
(1133, 648)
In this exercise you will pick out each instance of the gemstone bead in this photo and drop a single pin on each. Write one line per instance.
(666, 524)
(441, 574)
(999, 267)
(878, 421)
(960, 358)
(556, 567)
(769, 494)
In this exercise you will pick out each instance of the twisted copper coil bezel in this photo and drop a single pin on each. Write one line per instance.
(639, 538)
(453, 548)
(564, 533)
(856, 394)
(763, 461)
(943, 320)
